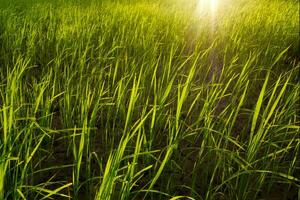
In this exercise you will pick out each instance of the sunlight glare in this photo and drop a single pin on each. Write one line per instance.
(207, 6)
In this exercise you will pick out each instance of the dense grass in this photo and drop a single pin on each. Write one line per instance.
(149, 100)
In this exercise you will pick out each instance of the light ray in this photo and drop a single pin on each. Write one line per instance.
(205, 7)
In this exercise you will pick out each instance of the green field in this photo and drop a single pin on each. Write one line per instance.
(149, 99)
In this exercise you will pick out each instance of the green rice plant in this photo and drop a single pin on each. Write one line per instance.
(149, 99)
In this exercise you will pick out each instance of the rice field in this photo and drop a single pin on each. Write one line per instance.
(149, 99)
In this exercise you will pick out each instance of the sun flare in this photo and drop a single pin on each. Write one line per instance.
(207, 6)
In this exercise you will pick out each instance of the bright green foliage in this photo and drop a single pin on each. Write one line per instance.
(128, 99)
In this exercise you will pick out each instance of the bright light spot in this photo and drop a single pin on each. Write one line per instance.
(207, 6)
